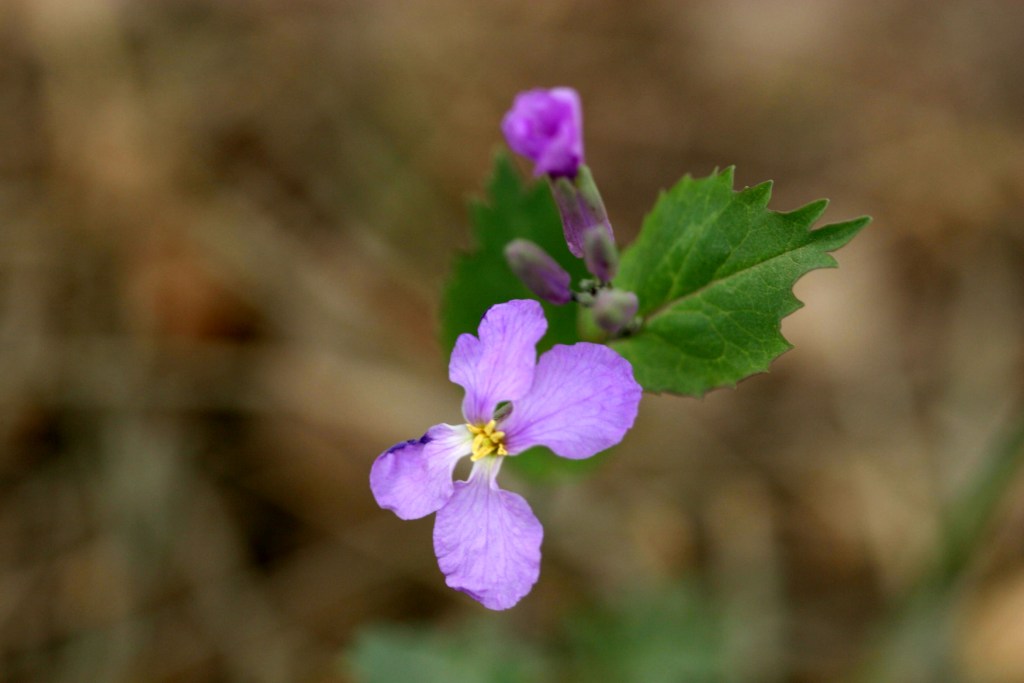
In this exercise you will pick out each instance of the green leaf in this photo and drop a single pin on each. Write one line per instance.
(481, 278)
(661, 634)
(714, 271)
(478, 652)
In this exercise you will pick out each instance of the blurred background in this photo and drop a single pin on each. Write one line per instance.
(224, 229)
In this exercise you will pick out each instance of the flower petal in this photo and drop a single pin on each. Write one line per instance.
(487, 540)
(414, 478)
(498, 366)
(583, 400)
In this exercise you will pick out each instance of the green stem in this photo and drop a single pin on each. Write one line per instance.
(913, 644)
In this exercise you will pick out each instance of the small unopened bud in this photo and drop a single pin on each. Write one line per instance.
(614, 310)
(502, 410)
(599, 253)
(538, 271)
(580, 206)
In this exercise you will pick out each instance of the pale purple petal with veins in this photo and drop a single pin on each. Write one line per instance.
(414, 478)
(583, 400)
(487, 540)
(498, 365)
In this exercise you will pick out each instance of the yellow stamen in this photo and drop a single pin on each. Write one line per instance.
(487, 440)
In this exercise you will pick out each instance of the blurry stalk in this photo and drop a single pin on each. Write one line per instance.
(915, 644)
(748, 583)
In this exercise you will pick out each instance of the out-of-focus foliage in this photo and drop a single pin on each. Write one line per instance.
(478, 652)
(655, 635)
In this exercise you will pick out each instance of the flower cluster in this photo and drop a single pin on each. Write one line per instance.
(576, 400)
(546, 126)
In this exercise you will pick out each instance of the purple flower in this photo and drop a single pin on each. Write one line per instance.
(546, 126)
(577, 400)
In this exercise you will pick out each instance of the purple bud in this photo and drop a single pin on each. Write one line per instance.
(539, 272)
(614, 309)
(546, 127)
(581, 208)
(599, 253)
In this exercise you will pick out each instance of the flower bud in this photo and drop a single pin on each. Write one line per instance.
(546, 126)
(614, 309)
(599, 253)
(502, 410)
(581, 208)
(538, 271)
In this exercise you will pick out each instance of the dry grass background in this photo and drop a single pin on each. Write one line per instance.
(223, 231)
